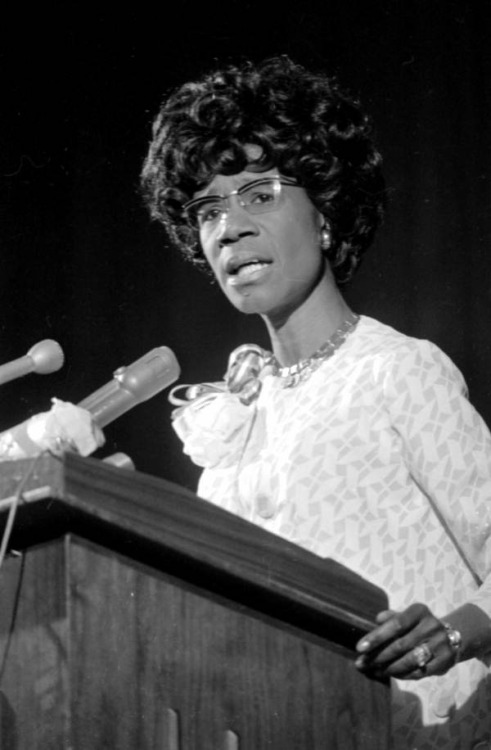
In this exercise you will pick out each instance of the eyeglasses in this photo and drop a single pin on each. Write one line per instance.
(256, 197)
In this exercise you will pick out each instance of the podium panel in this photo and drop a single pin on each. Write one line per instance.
(111, 640)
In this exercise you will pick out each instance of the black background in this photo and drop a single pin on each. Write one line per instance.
(81, 262)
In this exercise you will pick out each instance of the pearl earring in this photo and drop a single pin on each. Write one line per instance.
(325, 238)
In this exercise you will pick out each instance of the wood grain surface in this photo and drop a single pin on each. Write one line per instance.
(161, 524)
(103, 652)
(137, 616)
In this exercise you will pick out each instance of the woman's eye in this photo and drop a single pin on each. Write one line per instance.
(263, 197)
(209, 213)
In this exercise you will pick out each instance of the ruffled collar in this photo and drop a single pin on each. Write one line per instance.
(215, 420)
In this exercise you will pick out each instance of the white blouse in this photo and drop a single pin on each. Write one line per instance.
(378, 461)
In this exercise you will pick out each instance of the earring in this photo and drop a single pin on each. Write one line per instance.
(325, 238)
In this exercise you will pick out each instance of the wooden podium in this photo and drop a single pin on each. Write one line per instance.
(136, 616)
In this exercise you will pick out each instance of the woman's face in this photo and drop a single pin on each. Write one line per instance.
(266, 263)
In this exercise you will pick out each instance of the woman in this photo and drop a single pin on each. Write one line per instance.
(350, 438)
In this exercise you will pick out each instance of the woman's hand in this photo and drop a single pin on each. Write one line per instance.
(408, 645)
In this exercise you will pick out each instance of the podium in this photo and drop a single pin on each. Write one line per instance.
(136, 616)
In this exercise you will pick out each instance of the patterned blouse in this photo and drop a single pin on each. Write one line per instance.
(378, 461)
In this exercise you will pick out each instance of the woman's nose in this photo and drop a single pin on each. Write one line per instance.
(235, 224)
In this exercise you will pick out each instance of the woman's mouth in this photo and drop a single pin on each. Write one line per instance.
(248, 271)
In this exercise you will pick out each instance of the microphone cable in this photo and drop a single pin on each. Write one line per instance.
(13, 503)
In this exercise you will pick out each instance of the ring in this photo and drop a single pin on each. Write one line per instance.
(454, 638)
(422, 655)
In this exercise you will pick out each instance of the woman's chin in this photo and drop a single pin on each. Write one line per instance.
(249, 300)
(249, 306)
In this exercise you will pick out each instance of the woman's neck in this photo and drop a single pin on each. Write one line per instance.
(299, 334)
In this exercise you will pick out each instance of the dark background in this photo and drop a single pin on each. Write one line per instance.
(82, 264)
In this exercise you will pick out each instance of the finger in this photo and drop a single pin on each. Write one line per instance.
(395, 656)
(394, 627)
(429, 632)
(384, 616)
(380, 618)
(407, 667)
(390, 628)
(402, 658)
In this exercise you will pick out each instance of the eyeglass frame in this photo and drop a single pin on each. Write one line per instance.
(263, 207)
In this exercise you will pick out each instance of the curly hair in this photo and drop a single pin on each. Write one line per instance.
(307, 127)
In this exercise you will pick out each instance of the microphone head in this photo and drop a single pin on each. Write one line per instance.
(133, 384)
(47, 356)
(150, 374)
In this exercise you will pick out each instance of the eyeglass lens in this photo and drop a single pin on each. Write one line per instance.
(256, 197)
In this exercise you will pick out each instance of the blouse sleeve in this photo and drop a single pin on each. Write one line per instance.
(447, 447)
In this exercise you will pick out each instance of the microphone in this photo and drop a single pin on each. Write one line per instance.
(132, 385)
(43, 358)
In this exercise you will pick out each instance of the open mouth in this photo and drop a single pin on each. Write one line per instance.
(249, 268)
(237, 270)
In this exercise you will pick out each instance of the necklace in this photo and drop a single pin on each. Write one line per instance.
(243, 376)
(294, 374)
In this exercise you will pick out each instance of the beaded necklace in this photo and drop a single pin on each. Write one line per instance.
(294, 374)
(248, 361)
